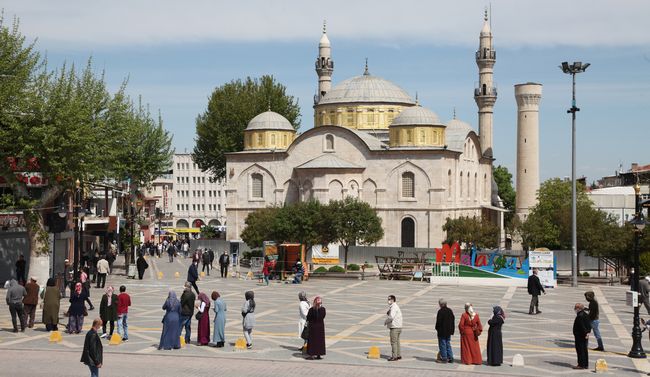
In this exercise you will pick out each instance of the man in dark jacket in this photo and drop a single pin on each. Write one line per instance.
(141, 264)
(93, 353)
(211, 257)
(581, 329)
(171, 250)
(15, 295)
(593, 319)
(535, 288)
(445, 327)
(224, 261)
(31, 301)
(187, 310)
(21, 267)
(193, 275)
(205, 258)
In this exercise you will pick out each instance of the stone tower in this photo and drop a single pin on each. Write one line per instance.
(485, 94)
(324, 66)
(528, 96)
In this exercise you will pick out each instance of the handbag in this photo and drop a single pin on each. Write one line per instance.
(477, 331)
(198, 316)
(305, 333)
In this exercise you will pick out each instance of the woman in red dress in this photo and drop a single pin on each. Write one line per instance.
(470, 328)
(203, 335)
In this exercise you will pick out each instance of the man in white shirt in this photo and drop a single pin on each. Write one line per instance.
(394, 323)
(102, 269)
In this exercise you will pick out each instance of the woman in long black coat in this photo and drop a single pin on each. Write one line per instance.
(495, 339)
(316, 325)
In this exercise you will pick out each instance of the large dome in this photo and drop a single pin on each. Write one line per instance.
(367, 88)
(417, 116)
(269, 120)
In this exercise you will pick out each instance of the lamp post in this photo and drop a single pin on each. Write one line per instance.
(78, 213)
(576, 67)
(62, 212)
(639, 223)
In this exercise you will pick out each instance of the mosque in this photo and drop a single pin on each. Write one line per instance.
(372, 141)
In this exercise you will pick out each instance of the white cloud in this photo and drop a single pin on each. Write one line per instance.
(515, 22)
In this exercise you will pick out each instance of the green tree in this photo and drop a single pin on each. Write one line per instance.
(506, 191)
(231, 106)
(471, 231)
(355, 223)
(261, 225)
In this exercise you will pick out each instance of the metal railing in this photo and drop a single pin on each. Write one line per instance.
(445, 269)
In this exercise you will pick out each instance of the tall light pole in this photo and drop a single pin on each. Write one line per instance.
(639, 223)
(576, 67)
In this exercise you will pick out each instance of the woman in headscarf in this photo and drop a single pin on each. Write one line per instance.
(203, 334)
(108, 311)
(470, 328)
(316, 324)
(77, 309)
(170, 337)
(495, 340)
(303, 309)
(219, 335)
(85, 286)
(51, 305)
(248, 320)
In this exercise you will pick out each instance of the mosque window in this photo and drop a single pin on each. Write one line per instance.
(259, 139)
(422, 138)
(468, 185)
(408, 185)
(409, 136)
(257, 185)
(350, 117)
(371, 117)
(285, 139)
(273, 139)
(460, 182)
(390, 116)
(485, 186)
(329, 143)
(449, 184)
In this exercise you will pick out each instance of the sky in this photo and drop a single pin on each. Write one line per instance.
(175, 53)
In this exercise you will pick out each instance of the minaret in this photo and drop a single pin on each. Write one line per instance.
(324, 66)
(485, 94)
(528, 96)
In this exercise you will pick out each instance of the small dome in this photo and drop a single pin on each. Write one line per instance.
(457, 132)
(416, 116)
(269, 120)
(367, 88)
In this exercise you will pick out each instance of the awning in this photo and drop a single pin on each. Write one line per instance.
(183, 230)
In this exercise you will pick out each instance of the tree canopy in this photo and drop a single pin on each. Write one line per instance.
(471, 231)
(503, 178)
(355, 223)
(220, 128)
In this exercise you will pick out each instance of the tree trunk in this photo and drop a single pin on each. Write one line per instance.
(39, 258)
(345, 258)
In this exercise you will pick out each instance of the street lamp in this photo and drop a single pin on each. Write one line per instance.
(572, 69)
(639, 223)
(79, 214)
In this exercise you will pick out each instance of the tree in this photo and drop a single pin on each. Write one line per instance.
(471, 231)
(503, 178)
(355, 223)
(220, 129)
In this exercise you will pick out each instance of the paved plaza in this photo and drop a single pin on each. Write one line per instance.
(355, 316)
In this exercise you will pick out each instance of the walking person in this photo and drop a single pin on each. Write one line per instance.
(170, 337)
(93, 352)
(495, 338)
(644, 292)
(31, 301)
(108, 311)
(316, 324)
(470, 328)
(21, 267)
(224, 262)
(77, 310)
(266, 269)
(248, 320)
(303, 308)
(141, 264)
(85, 286)
(123, 303)
(193, 275)
(581, 330)
(445, 324)
(203, 317)
(171, 250)
(205, 259)
(219, 335)
(187, 311)
(186, 249)
(211, 253)
(102, 269)
(535, 288)
(394, 323)
(15, 295)
(593, 312)
(110, 258)
(51, 305)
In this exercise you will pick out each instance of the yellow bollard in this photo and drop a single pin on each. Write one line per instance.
(182, 340)
(116, 340)
(55, 337)
(177, 274)
(374, 353)
(601, 366)
(240, 344)
(160, 275)
(202, 274)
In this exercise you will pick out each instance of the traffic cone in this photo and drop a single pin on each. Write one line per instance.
(116, 340)
(55, 337)
(160, 275)
(601, 366)
(240, 344)
(177, 274)
(182, 340)
(202, 274)
(374, 353)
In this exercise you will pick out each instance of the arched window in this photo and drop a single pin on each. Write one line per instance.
(285, 139)
(408, 232)
(257, 185)
(408, 185)
(273, 139)
(422, 136)
(476, 190)
(485, 186)
(460, 182)
(449, 183)
(329, 142)
(259, 139)
(467, 184)
(409, 136)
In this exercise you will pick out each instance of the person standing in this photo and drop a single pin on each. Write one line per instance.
(535, 288)
(110, 258)
(141, 264)
(68, 277)
(303, 309)
(15, 295)
(445, 324)
(93, 352)
(495, 338)
(171, 251)
(394, 323)
(186, 249)
(123, 303)
(93, 266)
(85, 286)
(51, 305)
(266, 269)
(470, 328)
(170, 337)
(644, 292)
(203, 326)
(187, 311)
(21, 267)
(205, 259)
(76, 310)
(31, 301)
(219, 336)
(108, 311)
(316, 324)
(299, 271)
(211, 253)
(224, 262)
(193, 275)
(248, 320)
(102, 269)
(593, 312)
(581, 330)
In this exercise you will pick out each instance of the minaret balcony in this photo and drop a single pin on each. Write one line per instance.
(486, 54)
(488, 91)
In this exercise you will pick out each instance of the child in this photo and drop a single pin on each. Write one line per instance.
(123, 303)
